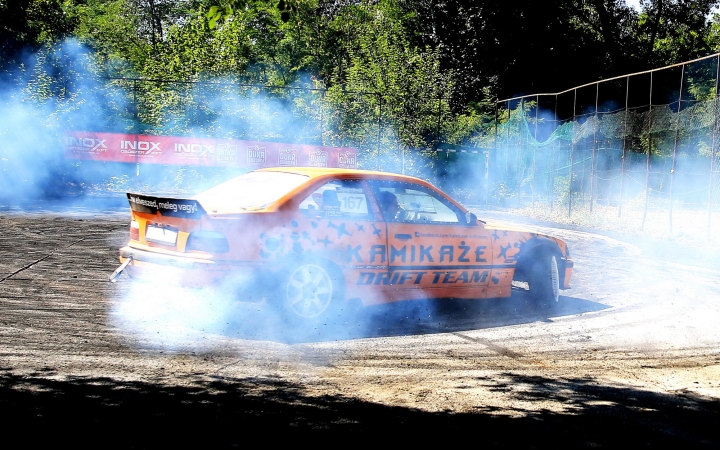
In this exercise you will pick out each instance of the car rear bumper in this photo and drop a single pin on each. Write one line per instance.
(186, 270)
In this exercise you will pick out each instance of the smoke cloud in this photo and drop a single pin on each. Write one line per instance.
(164, 315)
(51, 92)
(56, 91)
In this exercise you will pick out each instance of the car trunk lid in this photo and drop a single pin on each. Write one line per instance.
(165, 222)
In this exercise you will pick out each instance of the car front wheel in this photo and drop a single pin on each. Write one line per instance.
(544, 282)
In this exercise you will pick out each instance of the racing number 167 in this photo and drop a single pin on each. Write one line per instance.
(353, 202)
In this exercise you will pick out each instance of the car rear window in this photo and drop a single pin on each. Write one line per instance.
(252, 190)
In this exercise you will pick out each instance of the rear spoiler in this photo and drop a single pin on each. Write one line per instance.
(172, 207)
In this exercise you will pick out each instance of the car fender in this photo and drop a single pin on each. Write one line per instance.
(535, 246)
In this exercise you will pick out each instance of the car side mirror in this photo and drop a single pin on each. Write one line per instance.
(471, 219)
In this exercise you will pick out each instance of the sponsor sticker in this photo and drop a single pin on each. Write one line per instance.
(435, 277)
(172, 207)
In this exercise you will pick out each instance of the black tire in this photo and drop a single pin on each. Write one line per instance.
(544, 280)
(311, 291)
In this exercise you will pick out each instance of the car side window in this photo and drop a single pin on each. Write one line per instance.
(408, 202)
(344, 199)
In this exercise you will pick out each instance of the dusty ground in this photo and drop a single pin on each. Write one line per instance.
(630, 358)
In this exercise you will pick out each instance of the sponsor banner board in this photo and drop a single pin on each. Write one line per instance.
(146, 149)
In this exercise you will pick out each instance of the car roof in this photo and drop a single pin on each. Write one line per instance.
(316, 173)
(320, 172)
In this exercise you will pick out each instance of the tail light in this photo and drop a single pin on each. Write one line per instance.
(207, 241)
(134, 231)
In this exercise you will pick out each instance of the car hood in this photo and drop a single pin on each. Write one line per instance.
(507, 226)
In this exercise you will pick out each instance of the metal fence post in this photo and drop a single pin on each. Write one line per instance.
(649, 152)
(712, 149)
(534, 166)
(136, 126)
(437, 129)
(572, 153)
(379, 128)
(675, 144)
(322, 119)
(519, 156)
(594, 150)
(487, 155)
(552, 156)
(507, 139)
(623, 159)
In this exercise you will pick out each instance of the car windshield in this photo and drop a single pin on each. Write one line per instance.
(253, 190)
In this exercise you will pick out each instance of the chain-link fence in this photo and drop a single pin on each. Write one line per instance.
(639, 149)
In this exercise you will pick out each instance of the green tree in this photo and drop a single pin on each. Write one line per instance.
(523, 46)
(386, 88)
(31, 23)
(672, 31)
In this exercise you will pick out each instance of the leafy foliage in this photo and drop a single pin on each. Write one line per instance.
(388, 76)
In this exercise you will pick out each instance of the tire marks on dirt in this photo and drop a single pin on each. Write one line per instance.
(490, 345)
(27, 266)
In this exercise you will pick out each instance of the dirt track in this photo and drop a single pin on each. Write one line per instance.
(630, 358)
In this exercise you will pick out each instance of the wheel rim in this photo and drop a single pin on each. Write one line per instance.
(309, 291)
(555, 279)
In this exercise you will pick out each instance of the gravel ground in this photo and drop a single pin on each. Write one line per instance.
(630, 357)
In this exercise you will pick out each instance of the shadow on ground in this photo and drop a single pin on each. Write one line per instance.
(416, 317)
(462, 315)
(186, 318)
(38, 410)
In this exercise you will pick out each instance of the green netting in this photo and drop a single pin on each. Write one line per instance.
(618, 125)
(654, 167)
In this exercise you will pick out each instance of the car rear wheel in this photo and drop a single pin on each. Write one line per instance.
(544, 282)
(311, 291)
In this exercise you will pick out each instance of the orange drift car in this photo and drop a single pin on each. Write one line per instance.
(311, 239)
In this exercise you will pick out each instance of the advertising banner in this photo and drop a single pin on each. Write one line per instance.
(146, 149)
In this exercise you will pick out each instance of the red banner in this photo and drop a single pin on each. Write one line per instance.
(145, 149)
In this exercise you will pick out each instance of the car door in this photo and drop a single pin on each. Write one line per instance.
(431, 250)
(339, 223)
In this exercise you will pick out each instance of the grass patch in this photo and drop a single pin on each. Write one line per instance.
(690, 226)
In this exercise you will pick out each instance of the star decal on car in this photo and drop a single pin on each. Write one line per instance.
(341, 231)
(503, 251)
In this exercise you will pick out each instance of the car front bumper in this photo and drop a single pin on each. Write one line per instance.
(568, 274)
